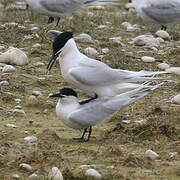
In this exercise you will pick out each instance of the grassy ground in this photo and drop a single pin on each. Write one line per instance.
(114, 143)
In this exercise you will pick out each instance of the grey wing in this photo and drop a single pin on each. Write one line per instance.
(61, 6)
(91, 115)
(163, 11)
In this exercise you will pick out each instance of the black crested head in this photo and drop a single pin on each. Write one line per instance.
(68, 92)
(61, 40)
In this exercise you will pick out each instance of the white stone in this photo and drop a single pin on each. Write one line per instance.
(25, 166)
(102, 27)
(172, 154)
(151, 154)
(83, 38)
(93, 173)
(19, 112)
(91, 51)
(39, 64)
(11, 125)
(105, 50)
(36, 93)
(176, 99)
(18, 107)
(148, 59)
(15, 176)
(37, 45)
(55, 174)
(116, 40)
(163, 66)
(161, 40)
(17, 101)
(32, 100)
(31, 139)
(126, 24)
(35, 29)
(33, 176)
(147, 40)
(129, 5)
(8, 69)
(174, 70)
(126, 121)
(163, 34)
(4, 83)
(14, 56)
(131, 28)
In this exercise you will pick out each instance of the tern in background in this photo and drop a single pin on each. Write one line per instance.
(87, 113)
(159, 11)
(93, 77)
(61, 8)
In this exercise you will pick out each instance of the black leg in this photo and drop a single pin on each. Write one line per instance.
(50, 20)
(163, 27)
(90, 131)
(58, 19)
(27, 6)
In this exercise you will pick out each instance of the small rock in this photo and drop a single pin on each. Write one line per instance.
(15, 176)
(11, 125)
(35, 29)
(14, 56)
(173, 154)
(25, 166)
(126, 24)
(116, 40)
(163, 66)
(92, 173)
(151, 154)
(32, 100)
(37, 45)
(55, 174)
(161, 40)
(176, 99)
(126, 121)
(147, 40)
(105, 50)
(83, 38)
(91, 51)
(30, 139)
(4, 83)
(148, 59)
(33, 176)
(39, 64)
(174, 70)
(17, 101)
(102, 27)
(19, 112)
(36, 93)
(163, 34)
(8, 69)
(18, 107)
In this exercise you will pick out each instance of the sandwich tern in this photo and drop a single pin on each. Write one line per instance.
(92, 76)
(159, 11)
(61, 8)
(87, 113)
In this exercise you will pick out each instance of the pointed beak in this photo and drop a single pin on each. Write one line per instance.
(52, 61)
(58, 94)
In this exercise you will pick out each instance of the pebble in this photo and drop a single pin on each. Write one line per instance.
(126, 24)
(174, 70)
(161, 40)
(32, 100)
(151, 154)
(17, 101)
(172, 154)
(31, 139)
(15, 176)
(163, 66)
(116, 40)
(163, 34)
(4, 83)
(8, 69)
(39, 64)
(18, 107)
(83, 38)
(91, 51)
(105, 50)
(37, 45)
(36, 93)
(176, 99)
(25, 166)
(148, 59)
(35, 29)
(55, 174)
(33, 176)
(147, 40)
(14, 56)
(11, 125)
(92, 173)
(19, 112)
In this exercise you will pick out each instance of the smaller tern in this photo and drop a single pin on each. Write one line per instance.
(87, 113)
(61, 8)
(159, 11)
(93, 77)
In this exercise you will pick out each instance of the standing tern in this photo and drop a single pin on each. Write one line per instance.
(61, 8)
(92, 76)
(85, 114)
(159, 11)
